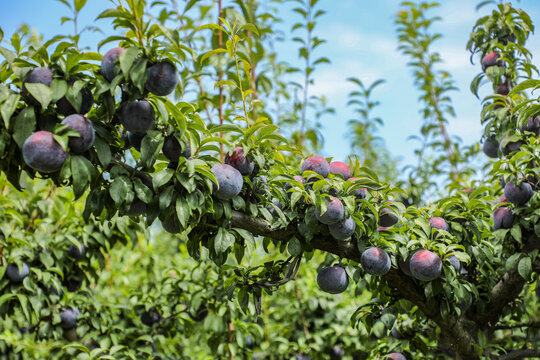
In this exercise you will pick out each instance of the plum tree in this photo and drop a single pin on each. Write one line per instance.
(425, 265)
(334, 212)
(342, 230)
(503, 218)
(14, 274)
(43, 153)
(333, 279)
(137, 116)
(173, 150)
(238, 161)
(85, 128)
(109, 62)
(518, 194)
(375, 261)
(162, 78)
(491, 148)
(69, 317)
(77, 252)
(230, 181)
(317, 164)
(338, 167)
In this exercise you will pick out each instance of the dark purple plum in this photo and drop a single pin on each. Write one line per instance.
(395, 356)
(84, 127)
(359, 193)
(491, 148)
(405, 265)
(503, 89)
(317, 164)
(42, 153)
(137, 116)
(336, 352)
(334, 212)
(230, 181)
(375, 261)
(503, 218)
(333, 279)
(77, 252)
(425, 265)
(15, 275)
(64, 107)
(173, 150)
(387, 218)
(438, 223)
(68, 318)
(272, 210)
(39, 75)
(342, 230)
(135, 140)
(72, 282)
(150, 317)
(508, 147)
(238, 161)
(532, 125)
(298, 178)
(518, 195)
(161, 78)
(455, 263)
(108, 62)
(338, 167)
(491, 59)
(137, 208)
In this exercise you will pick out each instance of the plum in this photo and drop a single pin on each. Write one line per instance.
(137, 207)
(503, 218)
(338, 167)
(491, 59)
(342, 229)
(317, 164)
(135, 140)
(272, 210)
(77, 252)
(64, 107)
(150, 317)
(502, 89)
(161, 78)
(173, 150)
(532, 125)
(455, 263)
(298, 178)
(387, 217)
(334, 212)
(359, 193)
(69, 317)
(508, 147)
(39, 75)
(375, 261)
(14, 274)
(333, 279)
(518, 195)
(84, 127)
(137, 116)
(425, 265)
(238, 161)
(395, 356)
(108, 62)
(42, 153)
(230, 181)
(336, 352)
(439, 223)
(491, 147)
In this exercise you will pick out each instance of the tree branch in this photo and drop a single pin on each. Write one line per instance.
(519, 354)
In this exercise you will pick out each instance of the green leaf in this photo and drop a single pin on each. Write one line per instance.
(223, 241)
(126, 59)
(8, 108)
(525, 268)
(103, 151)
(41, 92)
(183, 211)
(211, 53)
(294, 247)
(79, 4)
(81, 174)
(24, 125)
(119, 189)
(151, 147)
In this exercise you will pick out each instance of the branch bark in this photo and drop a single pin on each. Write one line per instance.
(519, 354)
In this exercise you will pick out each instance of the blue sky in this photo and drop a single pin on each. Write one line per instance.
(361, 43)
